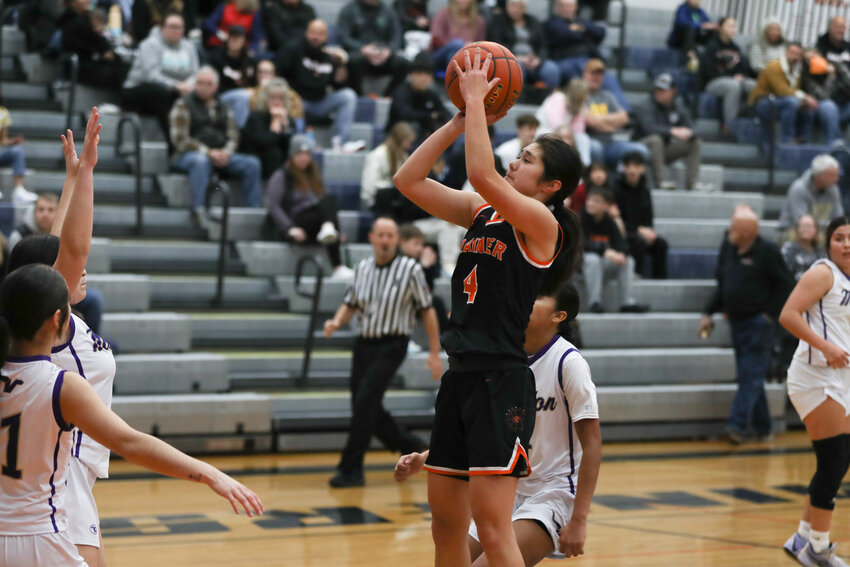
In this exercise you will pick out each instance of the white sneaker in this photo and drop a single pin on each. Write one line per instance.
(668, 185)
(353, 146)
(21, 196)
(826, 558)
(343, 273)
(413, 348)
(327, 234)
(707, 187)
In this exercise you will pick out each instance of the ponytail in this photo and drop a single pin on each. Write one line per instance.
(567, 261)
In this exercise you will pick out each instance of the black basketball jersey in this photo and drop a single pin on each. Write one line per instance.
(494, 286)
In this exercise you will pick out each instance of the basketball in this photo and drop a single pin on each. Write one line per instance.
(504, 66)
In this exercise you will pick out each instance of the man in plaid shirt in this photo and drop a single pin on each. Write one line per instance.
(204, 136)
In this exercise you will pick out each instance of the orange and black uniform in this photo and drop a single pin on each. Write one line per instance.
(486, 406)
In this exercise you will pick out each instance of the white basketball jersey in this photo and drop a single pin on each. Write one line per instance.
(91, 357)
(829, 317)
(565, 394)
(35, 445)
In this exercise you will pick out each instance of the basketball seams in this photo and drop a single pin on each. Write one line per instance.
(497, 53)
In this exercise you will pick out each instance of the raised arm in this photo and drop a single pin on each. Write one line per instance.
(529, 216)
(81, 407)
(75, 234)
(72, 165)
(456, 207)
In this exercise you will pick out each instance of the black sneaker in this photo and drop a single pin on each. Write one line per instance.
(634, 308)
(597, 308)
(344, 479)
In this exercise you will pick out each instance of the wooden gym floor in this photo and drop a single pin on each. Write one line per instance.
(680, 504)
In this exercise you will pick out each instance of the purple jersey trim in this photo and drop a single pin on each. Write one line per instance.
(73, 328)
(53, 486)
(570, 417)
(543, 350)
(57, 408)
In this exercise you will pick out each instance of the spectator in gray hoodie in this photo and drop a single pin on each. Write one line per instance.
(815, 193)
(163, 70)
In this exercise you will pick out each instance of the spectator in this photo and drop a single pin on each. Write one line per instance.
(752, 284)
(163, 70)
(383, 284)
(574, 202)
(454, 26)
(526, 130)
(371, 33)
(819, 82)
(377, 191)
(12, 154)
(568, 107)
(149, 14)
(245, 13)
(832, 44)
(83, 34)
(412, 244)
(285, 19)
(268, 130)
(417, 102)
(522, 33)
(665, 126)
(291, 101)
(804, 248)
(596, 177)
(634, 201)
(725, 71)
(606, 254)
(573, 41)
(37, 220)
(413, 15)
(691, 27)
(769, 46)
(205, 137)
(237, 70)
(815, 193)
(781, 78)
(604, 118)
(312, 69)
(299, 208)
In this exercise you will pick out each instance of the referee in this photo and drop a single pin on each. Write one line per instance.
(388, 290)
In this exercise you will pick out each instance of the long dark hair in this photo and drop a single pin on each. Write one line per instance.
(561, 162)
(34, 249)
(28, 297)
(832, 227)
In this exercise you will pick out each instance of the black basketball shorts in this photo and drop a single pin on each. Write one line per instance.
(483, 423)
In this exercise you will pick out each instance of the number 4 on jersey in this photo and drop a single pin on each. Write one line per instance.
(470, 285)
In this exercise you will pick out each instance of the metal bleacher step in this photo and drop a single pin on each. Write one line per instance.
(122, 292)
(116, 220)
(167, 256)
(109, 188)
(175, 373)
(46, 155)
(625, 366)
(329, 368)
(148, 332)
(702, 233)
(745, 155)
(279, 258)
(198, 291)
(258, 330)
(752, 179)
(649, 330)
(691, 204)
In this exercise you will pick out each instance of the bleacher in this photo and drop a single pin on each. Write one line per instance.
(230, 379)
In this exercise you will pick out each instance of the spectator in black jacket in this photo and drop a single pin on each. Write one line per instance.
(83, 34)
(416, 102)
(634, 201)
(523, 35)
(573, 41)
(413, 15)
(371, 33)
(726, 71)
(268, 130)
(752, 285)
(313, 70)
(238, 70)
(832, 44)
(285, 19)
(606, 254)
(665, 126)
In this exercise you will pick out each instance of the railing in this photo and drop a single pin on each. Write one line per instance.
(314, 296)
(621, 44)
(73, 63)
(136, 152)
(771, 144)
(218, 186)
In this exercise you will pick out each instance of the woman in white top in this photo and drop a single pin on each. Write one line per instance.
(818, 313)
(568, 107)
(40, 404)
(381, 164)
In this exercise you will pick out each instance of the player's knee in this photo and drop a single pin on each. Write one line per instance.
(493, 533)
(446, 525)
(833, 459)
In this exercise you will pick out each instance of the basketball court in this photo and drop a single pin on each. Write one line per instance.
(695, 504)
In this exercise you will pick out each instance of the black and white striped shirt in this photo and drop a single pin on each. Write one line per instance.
(388, 297)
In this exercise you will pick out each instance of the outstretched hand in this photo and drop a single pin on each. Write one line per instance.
(88, 156)
(72, 162)
(237, 494)
(474, 86)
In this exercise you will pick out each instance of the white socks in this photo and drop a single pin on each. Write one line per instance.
(819, 540)
(805, 529)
